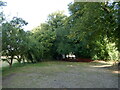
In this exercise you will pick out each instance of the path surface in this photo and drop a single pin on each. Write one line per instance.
(60, 75)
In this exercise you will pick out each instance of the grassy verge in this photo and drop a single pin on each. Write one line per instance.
(19, 66)
(7, 70)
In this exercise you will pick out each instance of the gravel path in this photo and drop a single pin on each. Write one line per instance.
(62, 76)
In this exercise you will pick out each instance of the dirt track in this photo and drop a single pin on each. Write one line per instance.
(72, 75)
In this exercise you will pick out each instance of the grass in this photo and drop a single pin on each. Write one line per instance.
(7, 70)
(17, 66)
(20, 67)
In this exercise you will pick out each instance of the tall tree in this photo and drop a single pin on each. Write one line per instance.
(56, 23)
(92, 22)
(13, 39)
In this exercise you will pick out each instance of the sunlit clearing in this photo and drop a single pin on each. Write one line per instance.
(116, 72)
(102, 66)
(70, 65)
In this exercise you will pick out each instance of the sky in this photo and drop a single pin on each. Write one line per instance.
(34, 11)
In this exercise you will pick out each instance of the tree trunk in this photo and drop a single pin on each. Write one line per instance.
(23, 60)
(19, 59)
(11, 61)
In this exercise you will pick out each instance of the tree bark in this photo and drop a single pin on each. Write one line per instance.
(19, 59)
(11, 61)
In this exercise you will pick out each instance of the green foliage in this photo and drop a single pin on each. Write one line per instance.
(44, 38)
(106, 50)
(13, 40)
(91, 31)
(1, 11)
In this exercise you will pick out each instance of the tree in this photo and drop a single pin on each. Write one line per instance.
(1, 21)
(1, 12)
(91, 23)
(13, 39)
(56, 22)
(44, 39)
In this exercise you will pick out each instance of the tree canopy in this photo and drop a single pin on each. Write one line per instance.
(91, 31)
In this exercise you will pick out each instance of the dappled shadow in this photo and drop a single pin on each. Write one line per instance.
(111, 67)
